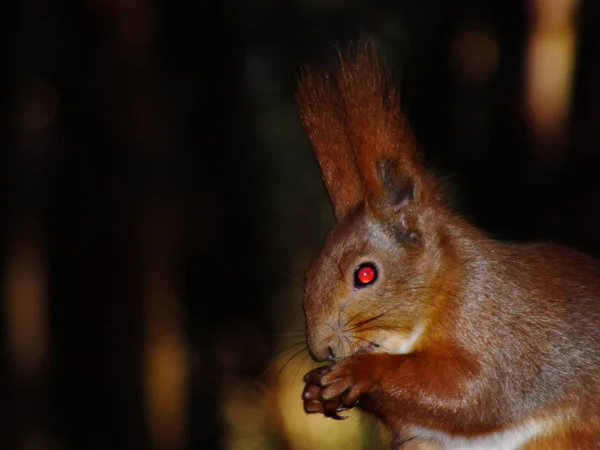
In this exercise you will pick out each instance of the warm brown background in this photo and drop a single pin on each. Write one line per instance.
(160, 201)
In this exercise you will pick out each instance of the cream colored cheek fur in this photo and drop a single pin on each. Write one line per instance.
(400, 344)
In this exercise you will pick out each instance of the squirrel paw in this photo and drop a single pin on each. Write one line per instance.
(332, 389)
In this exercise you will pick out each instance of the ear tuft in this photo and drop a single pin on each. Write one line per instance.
(323, 116)
(377, 128)
(361, 137)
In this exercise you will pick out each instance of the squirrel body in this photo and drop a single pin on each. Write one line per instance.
(449, 337)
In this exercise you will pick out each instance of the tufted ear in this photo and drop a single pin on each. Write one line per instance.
(384, 147)
(323, 116)
(361, 138)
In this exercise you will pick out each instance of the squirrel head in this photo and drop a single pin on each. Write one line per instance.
(370, 289)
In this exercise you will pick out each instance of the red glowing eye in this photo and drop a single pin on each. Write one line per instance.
(365, 274)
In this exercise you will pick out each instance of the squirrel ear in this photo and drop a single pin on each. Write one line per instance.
(360, 137)
(322, 115)
(384, 147)
(398, 186)
(399, 192)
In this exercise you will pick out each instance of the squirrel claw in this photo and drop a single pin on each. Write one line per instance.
(335, 414)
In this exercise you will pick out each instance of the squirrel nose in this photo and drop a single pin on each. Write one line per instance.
(319, 353)
(319, 346)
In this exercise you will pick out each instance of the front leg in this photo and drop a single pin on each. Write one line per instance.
(332, 389)
(429, 391)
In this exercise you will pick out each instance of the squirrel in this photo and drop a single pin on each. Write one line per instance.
(449, 337)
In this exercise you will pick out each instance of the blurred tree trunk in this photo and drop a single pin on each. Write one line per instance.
(33, 119)
(95, 278)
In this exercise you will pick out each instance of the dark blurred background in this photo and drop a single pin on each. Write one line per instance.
(161, 202)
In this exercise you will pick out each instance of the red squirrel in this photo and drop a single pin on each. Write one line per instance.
(450, 338)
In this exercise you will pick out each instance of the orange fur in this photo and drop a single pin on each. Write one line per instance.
(322, 115)
(462, 340)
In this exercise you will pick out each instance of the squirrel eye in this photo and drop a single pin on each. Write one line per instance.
(364, 275)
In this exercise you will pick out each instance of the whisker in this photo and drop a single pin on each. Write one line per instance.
(302, 361)
(299, 333)
(292, 347)
(297, 352)
(365, 339)
(292, 381)
(378, 327)
(347, 339)
(281, 274)
(374, 344)
(366, 321)
(383, 347)
(353, 318)
(352, 345)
